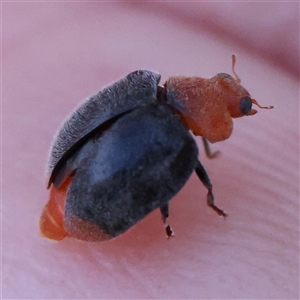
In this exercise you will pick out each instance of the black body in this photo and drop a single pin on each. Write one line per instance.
(137, 89)
(138, 164)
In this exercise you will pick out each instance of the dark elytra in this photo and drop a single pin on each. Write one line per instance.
(136, 166)
(136, 89)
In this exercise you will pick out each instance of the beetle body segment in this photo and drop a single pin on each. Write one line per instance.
(136, 166)
(206, 106)
(136, 89)
(204, 112)
(52, 217)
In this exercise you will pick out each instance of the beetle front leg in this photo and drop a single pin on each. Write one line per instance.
(203, 176)
(207, 149)
(164, 210)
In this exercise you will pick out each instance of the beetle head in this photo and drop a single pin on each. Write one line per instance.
(207, 106)
(239, 102)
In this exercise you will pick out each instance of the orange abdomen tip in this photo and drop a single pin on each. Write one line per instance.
(52, 218)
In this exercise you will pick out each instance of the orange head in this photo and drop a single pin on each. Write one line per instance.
(207, 106)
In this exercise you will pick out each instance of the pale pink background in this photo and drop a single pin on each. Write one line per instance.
(56, 54)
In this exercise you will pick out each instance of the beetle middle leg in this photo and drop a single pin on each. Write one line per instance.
(164, 210)
(203, 176)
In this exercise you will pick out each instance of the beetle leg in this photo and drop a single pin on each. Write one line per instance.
(164, 210)
(203, 176)
(207, 149)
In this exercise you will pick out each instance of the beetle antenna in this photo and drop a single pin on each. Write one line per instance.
(237, 78)
(265, 107)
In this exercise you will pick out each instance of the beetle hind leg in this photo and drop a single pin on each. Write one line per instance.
(164, 210)
(203, 176)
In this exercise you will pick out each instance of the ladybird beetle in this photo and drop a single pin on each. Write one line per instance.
(127, 150)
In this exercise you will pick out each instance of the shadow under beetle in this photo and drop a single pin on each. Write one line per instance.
(127, 150)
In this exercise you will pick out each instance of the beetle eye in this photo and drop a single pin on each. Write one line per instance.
(245, 105)
(224, 75)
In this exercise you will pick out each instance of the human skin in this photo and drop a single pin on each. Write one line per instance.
(54, 56)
